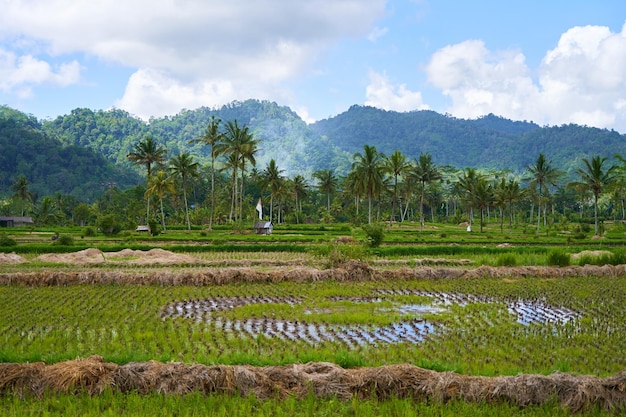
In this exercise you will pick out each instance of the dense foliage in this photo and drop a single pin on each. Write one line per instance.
(50, 167)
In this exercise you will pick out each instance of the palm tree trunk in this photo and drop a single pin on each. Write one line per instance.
(186, 207)
(212, 189)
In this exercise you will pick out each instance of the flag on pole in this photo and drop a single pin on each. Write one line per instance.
(259, 208)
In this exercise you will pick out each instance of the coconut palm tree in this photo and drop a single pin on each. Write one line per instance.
(273, 179)
(424, 172)
(158, 185)
(240, 146)
(147, 153)
(369, 166)
(396, 165)
(595, 178)
(482, 197)
(212, 137)
(543, 174)
(466, 182)
(21, 192)
(299, 188)
(186, 168)
(327, 183)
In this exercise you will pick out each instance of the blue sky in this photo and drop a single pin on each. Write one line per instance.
(552, 62)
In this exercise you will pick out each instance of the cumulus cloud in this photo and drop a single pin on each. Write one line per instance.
(582, 80)
(19, 73)
(197, 44)
(382, 94)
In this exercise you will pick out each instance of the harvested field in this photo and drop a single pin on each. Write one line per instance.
(11, 258)
(325, 380)
(154, 256)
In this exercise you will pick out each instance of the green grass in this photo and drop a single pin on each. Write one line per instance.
(133, 404)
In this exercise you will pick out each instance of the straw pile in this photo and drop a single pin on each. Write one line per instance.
(154, 256)
(324, 380)
(352, 271)
(11, 258)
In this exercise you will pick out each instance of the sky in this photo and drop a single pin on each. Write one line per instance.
(552, 62)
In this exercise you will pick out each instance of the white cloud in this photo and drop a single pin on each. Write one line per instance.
(382, 94)
(198, 44)
(377, 33)
(19, 73)
(582, 80)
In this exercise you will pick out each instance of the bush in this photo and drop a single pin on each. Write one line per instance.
(7, 241)
(507, 259)
(64, 240)
(558, 258)
(375, 234)
(109, 225)
(89, 232)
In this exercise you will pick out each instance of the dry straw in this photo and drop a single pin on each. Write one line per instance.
(324, 380)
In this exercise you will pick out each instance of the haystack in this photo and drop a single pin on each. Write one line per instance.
(11, 258)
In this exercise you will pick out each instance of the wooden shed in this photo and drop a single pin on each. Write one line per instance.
(263, 228)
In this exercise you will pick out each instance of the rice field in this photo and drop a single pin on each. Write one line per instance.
(443, 313)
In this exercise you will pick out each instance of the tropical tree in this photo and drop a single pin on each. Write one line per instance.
(507, 193)
(239, 145)
(595, 178)
(327, 184)
(396, 165)
(466, 182)
(147, 153)
(273, 179)
(46, 212)
(21, 192)
(543, 174)
(158, 185)
(299, 188)
(212, 137)
(185, 167)
(482, 197)
(369, 166)
(424, 172)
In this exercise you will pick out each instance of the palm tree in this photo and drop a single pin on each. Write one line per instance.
(158, 185)
(21, 192)
(47, 212)
(147, 153)
(184, 166)
(272, 178)
(466, 182)
(424, 172)
(299, 187)
(240, 146)
(595, 178)
(543, 174)
(249, 148)
(368, 165)
(327, 183)
(482, 197)
(507, 192)
(213, 138)
(396, 165)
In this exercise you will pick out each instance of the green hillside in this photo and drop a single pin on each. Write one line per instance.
(49, 166)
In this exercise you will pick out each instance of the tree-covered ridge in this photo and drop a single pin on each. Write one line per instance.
(489, 142)
(49, 166)
(283, 134)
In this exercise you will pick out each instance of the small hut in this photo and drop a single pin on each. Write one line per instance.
(263, 228)
(15, 221)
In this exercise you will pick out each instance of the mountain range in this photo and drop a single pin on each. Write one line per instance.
(101, 140)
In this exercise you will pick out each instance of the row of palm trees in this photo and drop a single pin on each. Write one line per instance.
(374, 177)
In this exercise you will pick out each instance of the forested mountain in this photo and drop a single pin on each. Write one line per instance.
(49, 166)
(488, 142)
(67, 154)
(283, 135)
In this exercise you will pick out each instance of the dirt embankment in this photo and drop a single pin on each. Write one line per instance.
(325, 380)
(351, 271)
